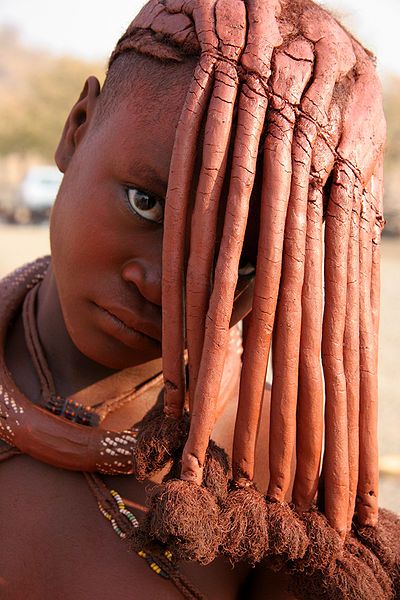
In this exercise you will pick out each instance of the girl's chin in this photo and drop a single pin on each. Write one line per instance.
(113, 354)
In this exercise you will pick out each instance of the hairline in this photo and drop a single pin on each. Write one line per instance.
(132, 72)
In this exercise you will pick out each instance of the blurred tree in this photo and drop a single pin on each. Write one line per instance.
(392, 156)
(392, 111)
(37, 90)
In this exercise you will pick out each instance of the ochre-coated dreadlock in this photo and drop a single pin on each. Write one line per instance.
(307, 97)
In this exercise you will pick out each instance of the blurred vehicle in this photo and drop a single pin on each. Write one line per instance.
(36, 196)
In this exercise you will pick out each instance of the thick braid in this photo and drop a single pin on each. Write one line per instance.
(263, 36)
(336, 464)
(377, 200)
(334, 59)
(287, 534)
(310, 395)
(268, 269)
(207, 387)
(352, 353)
(175, 220)
(245, 511)
(205, 213)
(362, 145)
(288, 318)
(252, 107)
(376, 192)
(367, 506)
(310, 400)
(221, 36)
(275, 196)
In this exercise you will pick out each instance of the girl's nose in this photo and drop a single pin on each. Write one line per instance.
(146, 277)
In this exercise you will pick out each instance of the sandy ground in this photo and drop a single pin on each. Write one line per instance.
(21, 244)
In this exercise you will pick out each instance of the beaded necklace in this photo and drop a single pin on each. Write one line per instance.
(125, 524)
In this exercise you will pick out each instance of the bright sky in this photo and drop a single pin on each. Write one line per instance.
(90, 28)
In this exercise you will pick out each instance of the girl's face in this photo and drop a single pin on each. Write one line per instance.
(107, 222)
(107, 230)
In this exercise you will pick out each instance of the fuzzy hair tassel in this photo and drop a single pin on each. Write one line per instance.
(357, 574)
(158, 440)
(384, 542)
(287, 534)
(186, 518)
(215, 473)
(325, 544)
(245, 517)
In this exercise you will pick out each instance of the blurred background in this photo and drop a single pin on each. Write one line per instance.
(48, 48)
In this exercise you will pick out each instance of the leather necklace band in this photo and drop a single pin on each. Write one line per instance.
(50, 400)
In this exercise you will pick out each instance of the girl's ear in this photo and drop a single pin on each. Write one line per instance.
(77, 123)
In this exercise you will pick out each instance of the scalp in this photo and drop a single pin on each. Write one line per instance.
(132, 75)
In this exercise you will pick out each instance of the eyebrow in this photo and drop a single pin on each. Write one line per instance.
(158, 183)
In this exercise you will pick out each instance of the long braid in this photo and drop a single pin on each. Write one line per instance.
(310, 395)
(176, 210)
(368, 478)
(336, 465)
(288, 318)
(310, 404)
(205, 215)
(352, 353)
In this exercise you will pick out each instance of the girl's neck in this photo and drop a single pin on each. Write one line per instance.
(71, 369)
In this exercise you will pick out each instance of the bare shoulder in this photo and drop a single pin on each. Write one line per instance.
(57, 544)
(264, 584)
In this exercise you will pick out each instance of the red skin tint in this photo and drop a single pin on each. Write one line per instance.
(103, 255)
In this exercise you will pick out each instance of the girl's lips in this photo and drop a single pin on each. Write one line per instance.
(128, 328)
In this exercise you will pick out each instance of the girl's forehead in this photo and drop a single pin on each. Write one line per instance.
(136, 78)
(136, 143)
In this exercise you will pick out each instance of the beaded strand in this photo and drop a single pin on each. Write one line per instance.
(133, 522)
(123, 510)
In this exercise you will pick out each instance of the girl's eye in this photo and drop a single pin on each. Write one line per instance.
(246, 268)
(145, 206)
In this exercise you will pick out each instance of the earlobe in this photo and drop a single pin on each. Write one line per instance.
(77, 123)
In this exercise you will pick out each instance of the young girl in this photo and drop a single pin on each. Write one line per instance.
(230, 142)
